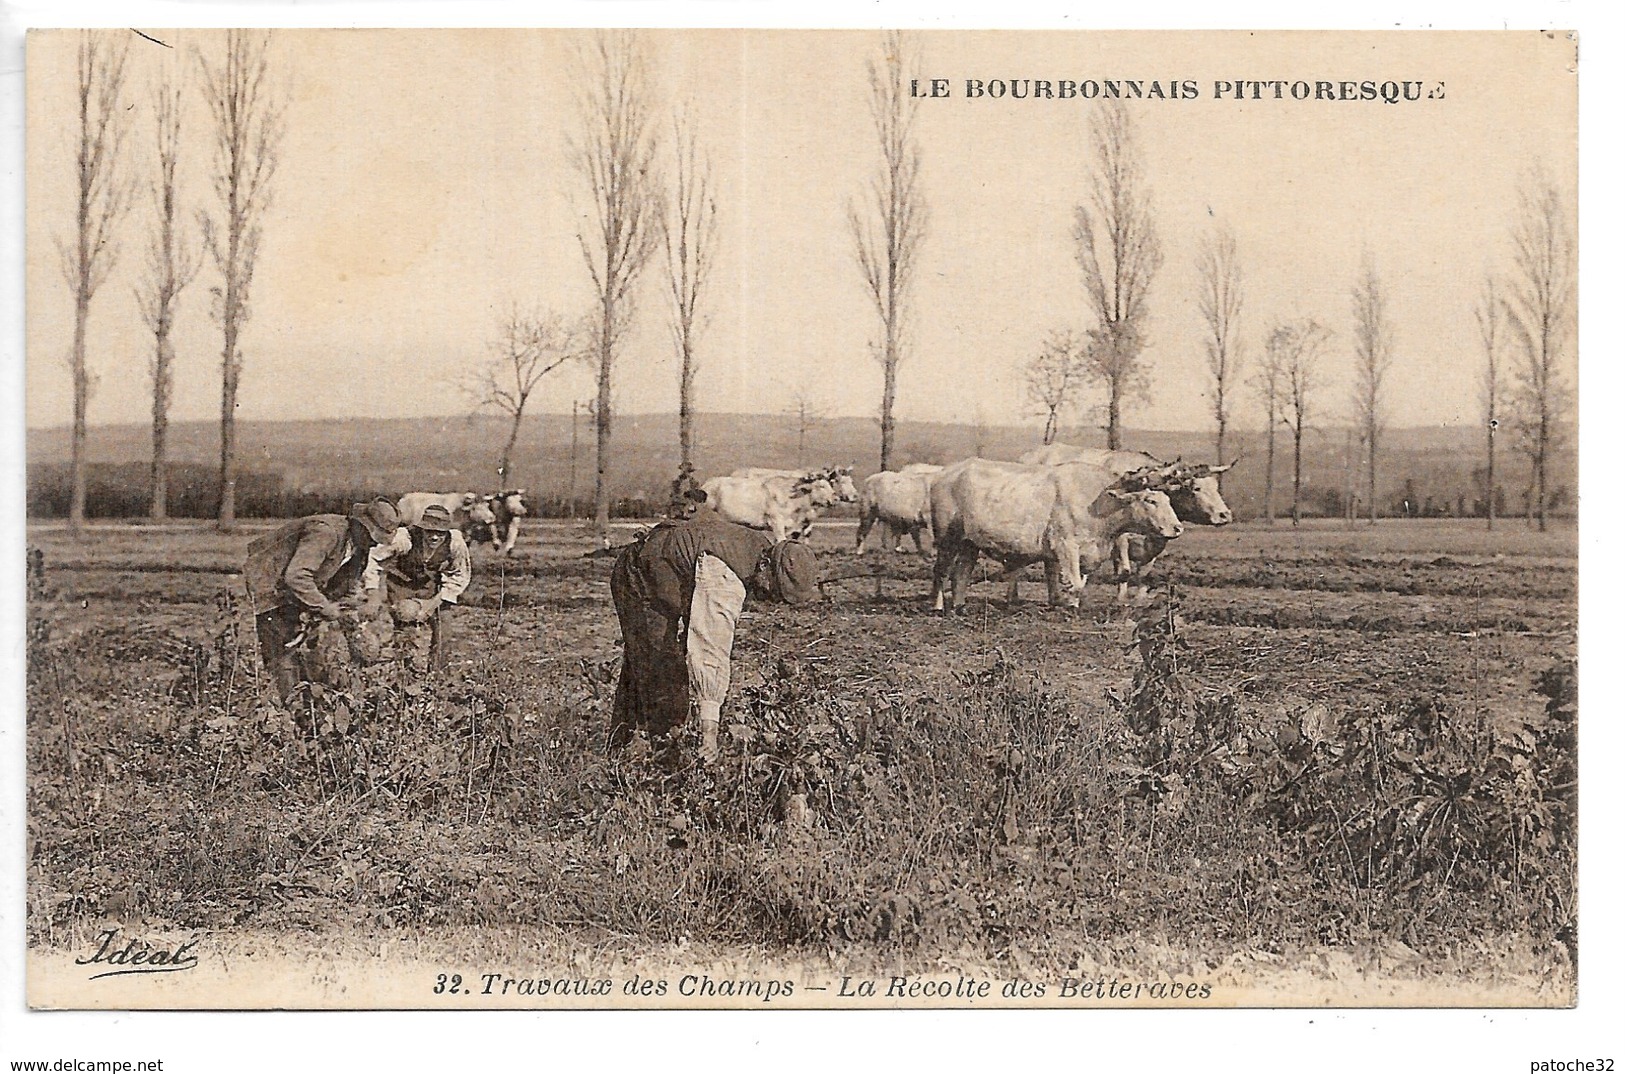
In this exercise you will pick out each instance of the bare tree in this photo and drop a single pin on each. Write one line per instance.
(172, 262)
(1296, 350)
(690, 229)
(806, 411)
(1119, 252)
(1269, 384)
(103, 198)
(1220, 301)
(526, 349)
(1540, 312)
(1054, 377)
(1373, 357)
(888, 231)
(1490, 317)
(615, 155)
(248, 128)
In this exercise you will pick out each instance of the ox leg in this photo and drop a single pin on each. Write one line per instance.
(1052, 582)
(964, 564)
(866, 522)
(1124, 565)
(1069, 563)
(1012, 594)
(939, 574)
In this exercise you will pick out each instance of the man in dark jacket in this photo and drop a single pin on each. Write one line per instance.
(678, 592)
(313, 568)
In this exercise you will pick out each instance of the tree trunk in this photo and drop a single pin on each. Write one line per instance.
(160, 471)
(504, 466)
(602, 422)
(1489, 489)
(1269, 475)
(161, 385)
(227, 519)
(1218, 452)
(81, 400)
(1297, 474)
(685, 409)
(888, 424)
(1540, 468)
(1348, 479)
(1114, 414)
(1371, 473)
(231, 308)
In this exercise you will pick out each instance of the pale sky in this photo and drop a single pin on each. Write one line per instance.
(425, 186)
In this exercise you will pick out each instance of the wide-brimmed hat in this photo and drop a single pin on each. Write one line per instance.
(795, 572)
(435, 518)
(379, 516)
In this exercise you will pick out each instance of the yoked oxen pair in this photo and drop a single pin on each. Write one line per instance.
(1067, 516)
(784, 502)
(469, 510)
(1192, 488)
(494, 518)
(901, 501)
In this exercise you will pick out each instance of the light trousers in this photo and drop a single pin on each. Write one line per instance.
(719, 596)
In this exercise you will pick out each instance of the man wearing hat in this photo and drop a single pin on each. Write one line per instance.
(425, 567)
(315, 568)
(678, 592)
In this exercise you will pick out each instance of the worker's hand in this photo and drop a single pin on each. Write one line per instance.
(330, 611)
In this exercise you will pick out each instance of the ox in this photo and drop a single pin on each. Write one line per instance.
(784, 505)
(506, 508)
(902, 501)
(469, 511)
(1067, 516)
(1193, 489)
(839, 478)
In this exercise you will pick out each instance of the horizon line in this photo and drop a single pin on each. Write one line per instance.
(627, 415)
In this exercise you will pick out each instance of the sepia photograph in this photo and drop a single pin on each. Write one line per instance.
(768, 519)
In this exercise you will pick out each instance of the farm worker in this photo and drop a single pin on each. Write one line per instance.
(678, 591)
(317, 567)
(426, 566)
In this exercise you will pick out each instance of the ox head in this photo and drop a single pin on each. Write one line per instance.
(818, 489)
(1198, 498)
(479, 509)
(513, 502)
(1150, 512)
(1192, 489)
(840, 480)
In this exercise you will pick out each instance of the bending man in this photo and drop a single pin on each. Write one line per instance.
(426, 566)
(678, 592)
(313, 567)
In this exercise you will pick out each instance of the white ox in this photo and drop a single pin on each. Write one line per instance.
(900, 500)
(839, 478)
(507, 508)
(1066, 516)
(784, 505)
(468, 510)
(1193, 489)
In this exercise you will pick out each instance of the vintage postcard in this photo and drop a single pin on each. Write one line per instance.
(772, 519)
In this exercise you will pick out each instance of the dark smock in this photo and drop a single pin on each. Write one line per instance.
(300, 566)
(652, 586)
